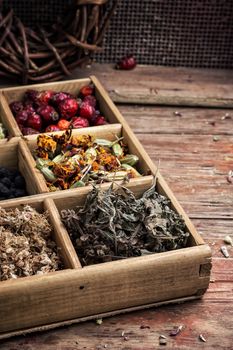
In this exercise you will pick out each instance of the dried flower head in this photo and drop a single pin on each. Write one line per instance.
(26, 247)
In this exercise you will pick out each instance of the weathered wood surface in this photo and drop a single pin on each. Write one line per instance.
(163, 85)
(166, 85)
(195, 165)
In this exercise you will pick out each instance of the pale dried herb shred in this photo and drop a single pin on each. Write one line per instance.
(114, 225)
(26, 247)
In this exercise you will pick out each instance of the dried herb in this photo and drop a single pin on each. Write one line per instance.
(202, 338)
(26, 247)
(230, 177)
(228, 240)
(113, 225)
(224, 251)
(176, 331)
(73, 161)
(2, 131)
(162, 340)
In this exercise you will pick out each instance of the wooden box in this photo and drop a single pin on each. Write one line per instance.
(79, 293)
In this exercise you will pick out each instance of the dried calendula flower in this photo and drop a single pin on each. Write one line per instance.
(26, 247)
(46, 143)
(68, 161)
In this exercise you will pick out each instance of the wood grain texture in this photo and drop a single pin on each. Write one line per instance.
(211, 211)
(162, 85)
(102, 288)
(165, 85)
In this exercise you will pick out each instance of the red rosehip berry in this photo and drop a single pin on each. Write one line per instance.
(91, 100)
(79, 122)
(86, 90)
(29, 131)
(34, 121)
(86, 110)
(100, 120)
(63, 124)
(22, 117)
(16, 107)
(48, 113)
(44, 97)
(30, 95)
(126, 63)
(51, 128)
(59, 97)
(68, 108)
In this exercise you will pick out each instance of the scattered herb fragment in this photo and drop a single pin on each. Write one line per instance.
(201, 337)
(178, 114)
(162, 340)
(2, 131)
(224, 251)
(144, 327)
(114, 224)
(99, 321)
(216, 138)
(176, 331)
(228, 240)
(26, 247)
(230, 177)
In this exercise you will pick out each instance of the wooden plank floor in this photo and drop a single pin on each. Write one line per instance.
(195, 149)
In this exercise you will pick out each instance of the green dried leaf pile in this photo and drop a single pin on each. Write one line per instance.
(114, 224)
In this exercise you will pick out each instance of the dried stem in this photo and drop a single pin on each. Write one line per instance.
(39, 55)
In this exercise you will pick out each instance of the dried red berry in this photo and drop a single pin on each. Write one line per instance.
(60, 96)
(30, 95)
(87, 90)
(79, 122)
(63, 124)
(91, 100)
(86, 110)
(34, 121)
(29, 131)
(126, 63)
(51, 128)
(100, 120)
(16, 107)
(22, 117)
(68, 108)
(29, 108)
(44, 97)
(48, 113)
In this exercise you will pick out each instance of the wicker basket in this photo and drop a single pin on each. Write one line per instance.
(45, 40)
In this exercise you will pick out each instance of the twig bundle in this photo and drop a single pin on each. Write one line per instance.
(42, 54)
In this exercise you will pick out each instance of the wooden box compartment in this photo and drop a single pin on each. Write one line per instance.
(9, 95)
(14, 155)
(108, 132)
(81, 293)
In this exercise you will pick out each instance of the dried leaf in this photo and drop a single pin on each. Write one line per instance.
(216, 138)
(202, 338)
(99, 321)
(230, 177)
(224, 251)
(176, 331)
(228, 240)
(113, 224)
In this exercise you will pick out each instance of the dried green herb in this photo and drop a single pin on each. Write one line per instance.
(114, 224)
